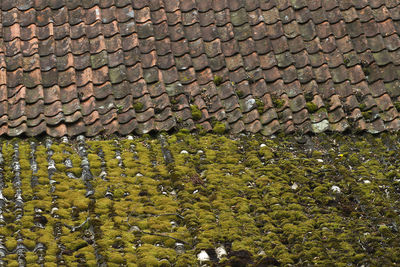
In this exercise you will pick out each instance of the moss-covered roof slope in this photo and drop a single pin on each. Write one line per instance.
(190, 200)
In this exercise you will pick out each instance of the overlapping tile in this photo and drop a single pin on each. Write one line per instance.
(68, 67)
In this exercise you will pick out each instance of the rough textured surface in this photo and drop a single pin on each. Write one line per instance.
(175, 200)
(91, 67)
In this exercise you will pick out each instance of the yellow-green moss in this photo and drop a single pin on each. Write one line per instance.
(311, 107)
(11, 244)
(81, 203)
(367, 115)
(115, 257)
(397, 105)
(276, 198)
(196, 112)
(138, 106)
(218, 80)
(219, 127)
(31, 258)
(260, 105)
(9, 192)
(239, 93)
(30, 244)
(278, 102)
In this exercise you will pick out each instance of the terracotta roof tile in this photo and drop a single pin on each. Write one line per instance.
(334, 15)
(382, 15)
(71, 65)
(365, 14)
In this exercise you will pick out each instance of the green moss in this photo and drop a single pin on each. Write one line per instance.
(239, 93)
(58, 157)
(81, 202)
(397, 105)
(196, 112)
(367, 115)
(366, 70)
(275, 198)
(311, 107)
(309, 96)
(73, 242)
(76, 171)
(317, 154)
(219, 127)
(31, 258)
(9, 192)
(116, 258)
(260, 105)
(266, 153)
(120, 108)
(103, 203)
(278, 102)
(218, 80)
(51, 260)
(362, 106)
(25, 165)
(11, 244)
(138, 106)
(30, 244)
(148, 261)
(12, 261)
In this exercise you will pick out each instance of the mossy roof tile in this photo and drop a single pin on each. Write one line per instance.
(122, 48)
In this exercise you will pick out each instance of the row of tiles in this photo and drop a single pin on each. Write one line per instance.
(226, 63)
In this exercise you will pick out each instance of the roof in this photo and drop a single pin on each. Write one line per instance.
(191, 200)
(120, 66)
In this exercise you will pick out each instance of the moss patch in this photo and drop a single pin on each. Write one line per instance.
(278, 102)
(311, 107)
(138, 106)
(218, 80)
(239, 93)
(196, 112)
(367, 115)
(219, 127)
(260, 105)
(397, 105)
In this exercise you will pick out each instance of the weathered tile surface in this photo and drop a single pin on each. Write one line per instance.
(92, 67)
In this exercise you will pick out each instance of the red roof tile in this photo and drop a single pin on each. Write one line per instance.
(71, 67)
